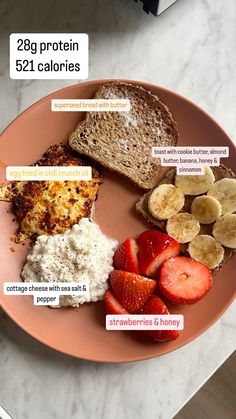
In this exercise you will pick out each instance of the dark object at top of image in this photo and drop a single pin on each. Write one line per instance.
(156, 7)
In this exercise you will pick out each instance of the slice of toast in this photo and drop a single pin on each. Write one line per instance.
(220, 172)
(122, 141)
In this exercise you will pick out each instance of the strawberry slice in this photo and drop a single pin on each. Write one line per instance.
(154, 249)
(184, 280)
(156, 306)
(125, 257)
(112, 305)
(131, 290)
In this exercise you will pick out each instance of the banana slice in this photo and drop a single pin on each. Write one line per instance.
(197, 184)
(165, 201)
(183, 227)
(224, 230)
(206, 209)
(224, 191)
(207, 250)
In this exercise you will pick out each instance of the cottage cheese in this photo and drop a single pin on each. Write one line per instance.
(80, 253)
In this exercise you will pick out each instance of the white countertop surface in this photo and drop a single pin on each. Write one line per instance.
(190, 49)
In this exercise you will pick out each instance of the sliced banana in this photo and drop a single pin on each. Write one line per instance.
(207, 250)
(224, 230)
(224, 191)
(197, 184)
(183, 227)
(165, 201)
(206, 209)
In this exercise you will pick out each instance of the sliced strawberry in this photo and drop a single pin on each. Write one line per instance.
(156, 306)
(154, 249)
(131, 290)
(125, 257)
(112, 305)
(184, 280)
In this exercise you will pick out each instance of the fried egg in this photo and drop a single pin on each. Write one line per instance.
(51, 207)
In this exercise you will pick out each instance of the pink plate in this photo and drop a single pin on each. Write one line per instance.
(81, 332)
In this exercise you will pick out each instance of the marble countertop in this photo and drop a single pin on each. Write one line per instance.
(190, 49)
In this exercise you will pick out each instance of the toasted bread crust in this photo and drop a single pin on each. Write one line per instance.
(122, 141)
